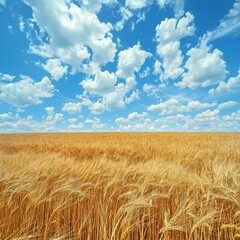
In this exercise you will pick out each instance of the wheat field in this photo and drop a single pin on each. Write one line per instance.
(120, 186)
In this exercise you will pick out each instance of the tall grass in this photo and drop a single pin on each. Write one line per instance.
(120, 186)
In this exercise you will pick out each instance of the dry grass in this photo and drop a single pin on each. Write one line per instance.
(120, 186)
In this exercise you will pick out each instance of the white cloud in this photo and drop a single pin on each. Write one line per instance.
(163, 3)
(157, 67)
(230, 24)
(204, 67)
(126, 14)
(3, 2)
(92, 5)
(233, 84)
(97, 107)
(21, 24)
(74, 56)
(131, 60)
(205, 121)
(50, 110)
(55, 68)
(102, 84)
(228, 104)
(96, 123)
(95, 6)
(235, 116)
(178, 6)
(72, 120)
(168, 34)
(43, 50)
(20, 110)
(174, 106)
(173, 119)
(152, 90)
(6, 77)
(140, 124)
(110, 2)
(114, 100)
(71, 29)
(135, 122)
(28, 124)
(145, 73)
(132, 118)
(76, 126)
(133, 97)
(207, 115)
(136, 4)
(4, 116)
(104, 50)
(140, 17)
(26, 92)
(72, 108)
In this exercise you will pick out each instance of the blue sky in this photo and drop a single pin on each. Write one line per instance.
(108, 65)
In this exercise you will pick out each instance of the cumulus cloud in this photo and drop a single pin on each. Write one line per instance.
(207, 115)
(132, 118)
(5, 116)
(145, 73)
(72, 108)
(205, 67)
(104, 50)
(97, 107)
(95, 6)
(126, 14)
(72, 120)
(136, 4)
(50, 110)
(75, 126)
(43, 50)
(26, 91)
(55, 68)
(71, 29)
(133, 97)
(92, 5)
(234, 117)
(131, 60)
(230, 24)
(168, 34)
(18, 125)
(178, 6)
(152, 90)
(205, 121)
(157, 67)
(6, 77)
(135, 122)
(113, 100)
(233, 84)
(173, 119)
(96, 123)
(174, 106)
(103, 83)
(228, 104)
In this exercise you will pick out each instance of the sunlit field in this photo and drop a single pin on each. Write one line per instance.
(120, 186)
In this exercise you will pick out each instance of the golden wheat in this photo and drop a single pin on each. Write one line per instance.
(120, 186)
